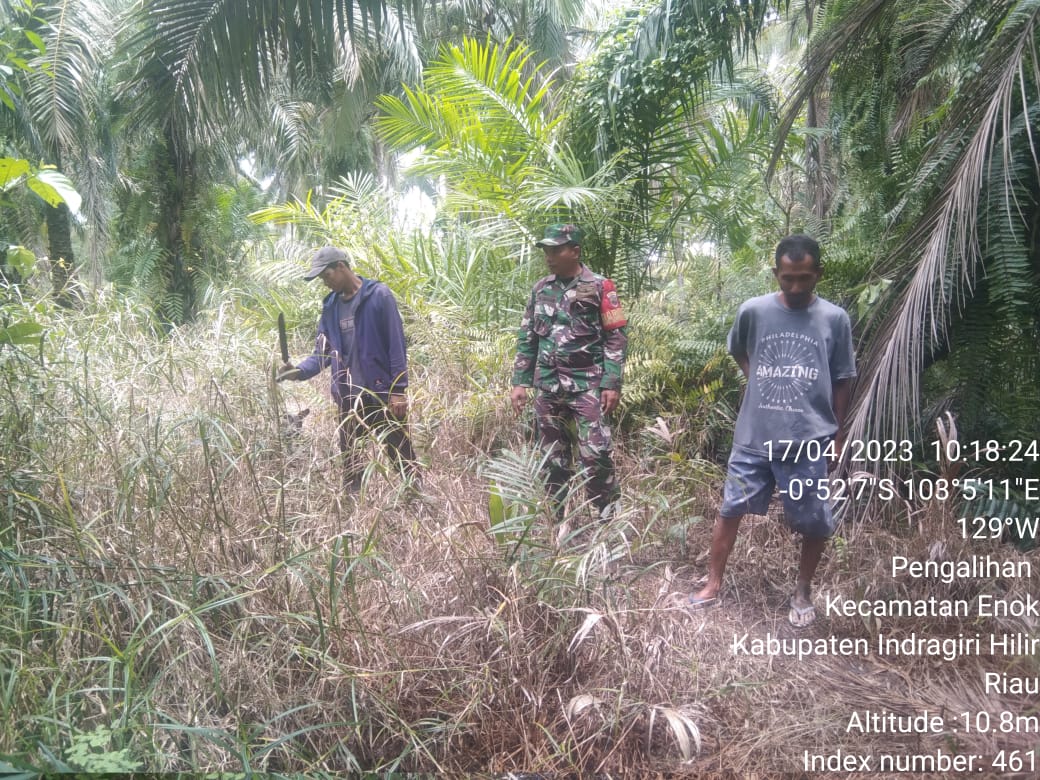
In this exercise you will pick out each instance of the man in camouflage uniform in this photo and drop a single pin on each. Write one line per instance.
(571, 349)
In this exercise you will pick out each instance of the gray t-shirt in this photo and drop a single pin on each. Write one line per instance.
(794, 356)
(345, 311)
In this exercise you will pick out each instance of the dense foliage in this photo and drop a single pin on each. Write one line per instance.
(933, 108)
(181, 586)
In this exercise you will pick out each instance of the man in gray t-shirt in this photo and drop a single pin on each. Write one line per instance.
(796, 355)
(796, 351)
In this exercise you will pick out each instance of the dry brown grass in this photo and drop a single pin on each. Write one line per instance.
(206, 592)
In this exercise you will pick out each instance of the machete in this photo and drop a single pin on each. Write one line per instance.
(283, 340)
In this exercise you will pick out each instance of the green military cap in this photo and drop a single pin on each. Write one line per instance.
(561, 233)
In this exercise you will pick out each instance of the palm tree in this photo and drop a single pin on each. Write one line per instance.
(60, 117)
(653, 97)
(484, 126)
(210, 75)
(938, 104)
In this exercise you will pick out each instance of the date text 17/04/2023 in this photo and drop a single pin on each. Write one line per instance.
(903, 451)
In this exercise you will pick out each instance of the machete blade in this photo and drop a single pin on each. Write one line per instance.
(283, 340)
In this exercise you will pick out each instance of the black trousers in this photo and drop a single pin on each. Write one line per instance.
(369, 415)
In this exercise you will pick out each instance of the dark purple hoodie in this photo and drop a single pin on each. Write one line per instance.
(378, 343)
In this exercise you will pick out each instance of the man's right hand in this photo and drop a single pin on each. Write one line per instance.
(518, 397)
(287, 371)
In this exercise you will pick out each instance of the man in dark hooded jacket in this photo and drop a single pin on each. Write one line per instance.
(360, 335)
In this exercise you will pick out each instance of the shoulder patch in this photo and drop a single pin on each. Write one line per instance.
(610, 307)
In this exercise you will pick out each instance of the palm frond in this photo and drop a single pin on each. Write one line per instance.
(563, 182)
(836, 40)
(940, 259)
(61, 97)
(491, 80)
(472, 94)
(212, 59)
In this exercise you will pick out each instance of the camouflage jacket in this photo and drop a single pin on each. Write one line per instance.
(572, 337)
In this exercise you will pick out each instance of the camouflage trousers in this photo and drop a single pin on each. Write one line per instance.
(370, 415)
(559, 415)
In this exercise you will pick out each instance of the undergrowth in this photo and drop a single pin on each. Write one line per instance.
(186, 590)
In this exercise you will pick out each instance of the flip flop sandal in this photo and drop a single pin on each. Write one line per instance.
(801, 617)
(704, 603)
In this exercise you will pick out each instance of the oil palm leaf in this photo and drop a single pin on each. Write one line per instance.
(939, 260)
(206, 60)
(472, 93)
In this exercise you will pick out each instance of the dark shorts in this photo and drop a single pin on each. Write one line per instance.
(751, 478)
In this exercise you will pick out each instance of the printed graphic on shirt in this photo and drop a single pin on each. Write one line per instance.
(346, 311)
(788, 366)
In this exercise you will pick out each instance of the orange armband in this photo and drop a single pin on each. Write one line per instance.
(610, 307)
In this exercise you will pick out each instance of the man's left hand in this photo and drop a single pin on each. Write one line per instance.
(399, 405)
(608, 400)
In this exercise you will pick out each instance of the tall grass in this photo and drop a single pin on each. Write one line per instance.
(186, 590)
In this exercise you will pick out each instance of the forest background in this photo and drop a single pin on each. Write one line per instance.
(185, 589)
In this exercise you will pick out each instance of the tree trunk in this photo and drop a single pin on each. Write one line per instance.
(816, 148)
(59, 241)
(177, 190)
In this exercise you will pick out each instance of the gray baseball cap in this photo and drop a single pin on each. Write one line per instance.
(323, 258)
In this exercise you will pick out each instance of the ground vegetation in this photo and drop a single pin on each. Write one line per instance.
(184, 587)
